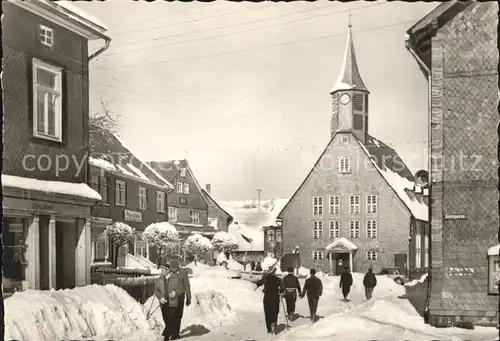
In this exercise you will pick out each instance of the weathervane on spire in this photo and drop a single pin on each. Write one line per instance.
(349, 25)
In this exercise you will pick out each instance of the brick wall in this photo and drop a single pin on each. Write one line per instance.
(392, 216)
(20, 45)
(464, 135)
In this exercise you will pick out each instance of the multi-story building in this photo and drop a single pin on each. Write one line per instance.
(456, 47)
(190, 208)
(46, 200)
(352, 208)
(132, 193)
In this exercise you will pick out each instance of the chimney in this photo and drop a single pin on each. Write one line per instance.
(208, 188)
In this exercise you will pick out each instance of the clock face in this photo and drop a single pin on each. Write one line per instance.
(345, 99)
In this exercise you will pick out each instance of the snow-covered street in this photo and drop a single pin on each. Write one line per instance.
(223, 308)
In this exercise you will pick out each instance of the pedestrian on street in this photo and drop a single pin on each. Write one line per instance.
(296, 259)
(345, 283)
(313, 288)
(173, 289)
(245, 261)
(292, 290)
(273, 288)
(369, 282)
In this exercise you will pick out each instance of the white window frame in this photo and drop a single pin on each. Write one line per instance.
(160, 202)
(354, 232)
(97, 241)
(334, 231)
(138, 240)
(334, 205)
(183, 172)
(46, 36)
(354, 204)
(57, 92)
(317, 255)
(317, 203)
(371, 229)
(180, 187)
(418, 247)
(120, 187)
(194, 216)
(426, 251)
(371, 255)
(185, 188)
(143, 198)
(371, 204)
(172, 214)
(317, 229)
(344, 165)
(270, 235)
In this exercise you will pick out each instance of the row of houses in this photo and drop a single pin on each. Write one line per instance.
(64, 179)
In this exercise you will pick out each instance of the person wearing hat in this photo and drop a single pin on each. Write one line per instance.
(369, 282)
(292, 288)
(313, 288)
(173, 289)
(345, 283)
(273, 288)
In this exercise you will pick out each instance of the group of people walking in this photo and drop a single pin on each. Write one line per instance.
(289, 288)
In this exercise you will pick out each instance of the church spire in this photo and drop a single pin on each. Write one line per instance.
(349, 77)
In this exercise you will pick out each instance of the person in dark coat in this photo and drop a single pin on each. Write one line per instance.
(345, 283)
(369, 282)
(313, 288)
(292, 290)
(273, 288)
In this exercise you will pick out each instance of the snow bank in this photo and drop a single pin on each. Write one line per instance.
(208, 308)
(81, 313)
(268, 262)
(417, 281)
(69, 188)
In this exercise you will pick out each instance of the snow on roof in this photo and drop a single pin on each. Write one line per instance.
(101, 163)
(399, 183)
(125, 171)
(69, 188)
(248, 213)
(343, 241)
(494, 250)
(68, 5)
(249, 239)
(137, 171)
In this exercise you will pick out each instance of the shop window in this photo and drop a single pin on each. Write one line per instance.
(14, 234)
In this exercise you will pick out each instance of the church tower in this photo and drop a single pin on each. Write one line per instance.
(350, 96)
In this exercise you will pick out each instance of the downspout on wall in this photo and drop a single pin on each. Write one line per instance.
(429, 117)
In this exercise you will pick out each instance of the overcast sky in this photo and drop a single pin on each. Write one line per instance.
(241, 90)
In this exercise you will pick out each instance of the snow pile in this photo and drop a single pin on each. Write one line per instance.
(208, 308)
(69, 188)
(417, 281)
(81, 313)
(231, 263)
(268, 262)
(249, 239)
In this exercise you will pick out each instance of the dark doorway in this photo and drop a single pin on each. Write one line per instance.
(339, 262)
(43, 224)
(66, 241)
(400, 260)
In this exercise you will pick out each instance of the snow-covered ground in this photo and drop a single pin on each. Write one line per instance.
(223, 309)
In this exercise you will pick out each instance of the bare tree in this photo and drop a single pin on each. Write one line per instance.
(104, 119)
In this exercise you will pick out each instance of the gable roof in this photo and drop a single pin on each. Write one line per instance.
(342, 241)
(211, 198)
(383, 158)
(109, 152)
(249, 239)
(247, 213)
(170, 169)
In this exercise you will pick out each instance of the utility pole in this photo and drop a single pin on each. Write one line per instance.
(258, 203)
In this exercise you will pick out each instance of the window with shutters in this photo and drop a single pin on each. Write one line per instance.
(318, 230)
(317, 205)
(334, 229)
(358, 102)
(344, 165)
(371, 204)
(335, 205)
(354, 229)
(354, 204)
(358, 121)
(371, 229)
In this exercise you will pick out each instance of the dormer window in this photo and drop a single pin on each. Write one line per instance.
(358, 103)
(46, 36)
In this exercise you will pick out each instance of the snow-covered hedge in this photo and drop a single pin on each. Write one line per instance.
(197, 245)
(163, 236)
(224, 242)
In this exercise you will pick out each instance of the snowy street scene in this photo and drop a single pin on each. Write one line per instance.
(254, 171)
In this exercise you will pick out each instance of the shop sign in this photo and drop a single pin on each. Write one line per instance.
(133, 216)
(461, 272)
(18, 204)
(455, 216)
